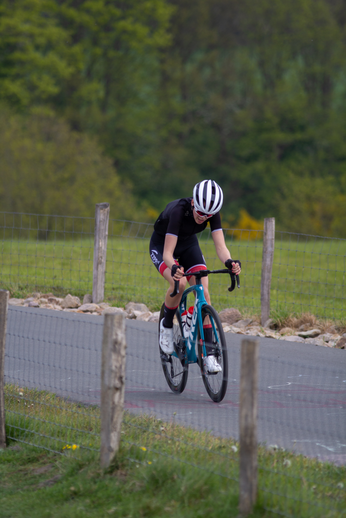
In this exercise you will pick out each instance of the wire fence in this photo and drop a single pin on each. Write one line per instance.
(52, 361)
(52, 394)
(46, 253)
(54, 254)
(309, 275)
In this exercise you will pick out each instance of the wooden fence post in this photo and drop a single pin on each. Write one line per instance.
(100, 251)
(248, 426)
(267, 266)
(112, 385)
(3, 323)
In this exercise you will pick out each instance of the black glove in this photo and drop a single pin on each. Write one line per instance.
(229, 263)
(174, 269)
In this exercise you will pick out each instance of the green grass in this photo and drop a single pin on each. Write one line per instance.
(41, 418)
(309, 274)
(162, 469)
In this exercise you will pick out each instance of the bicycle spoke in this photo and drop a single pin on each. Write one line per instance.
(175, 368)
(215, 383)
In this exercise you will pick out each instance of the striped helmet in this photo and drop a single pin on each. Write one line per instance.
(207, 197)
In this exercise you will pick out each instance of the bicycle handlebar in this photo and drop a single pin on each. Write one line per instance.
(205, 273)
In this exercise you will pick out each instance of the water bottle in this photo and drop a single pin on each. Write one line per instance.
(187, 321)
(183, 320)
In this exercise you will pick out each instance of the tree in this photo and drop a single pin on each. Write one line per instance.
(36, 56)
(95, 63)
(255, 99)
(48, 169)
(248, 93)
(115, 97)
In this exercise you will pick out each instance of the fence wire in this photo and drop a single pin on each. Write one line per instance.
(54, 254)
(53, 361)
(309, 275)
(46, 253)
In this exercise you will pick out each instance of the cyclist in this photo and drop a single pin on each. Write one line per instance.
(174, 249)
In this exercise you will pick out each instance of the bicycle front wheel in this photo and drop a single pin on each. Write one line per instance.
(175, 366)
(216, 383)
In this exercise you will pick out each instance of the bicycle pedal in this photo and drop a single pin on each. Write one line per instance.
(165, 357)
(180, 352)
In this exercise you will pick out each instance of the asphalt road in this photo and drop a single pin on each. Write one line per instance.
(301, 392)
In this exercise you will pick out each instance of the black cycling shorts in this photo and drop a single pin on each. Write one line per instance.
(187, 253)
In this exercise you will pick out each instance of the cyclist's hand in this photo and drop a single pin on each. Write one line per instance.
(234, 265)
(177, 272)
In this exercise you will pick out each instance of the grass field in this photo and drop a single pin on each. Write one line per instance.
(162, 469)
(309, 273)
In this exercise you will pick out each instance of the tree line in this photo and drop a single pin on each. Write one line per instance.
(134, 102)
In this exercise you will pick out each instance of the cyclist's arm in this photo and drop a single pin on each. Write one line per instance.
(222, 251)
(168, 249)
(220, 246)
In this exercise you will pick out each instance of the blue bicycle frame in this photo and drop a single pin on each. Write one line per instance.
(197, 321)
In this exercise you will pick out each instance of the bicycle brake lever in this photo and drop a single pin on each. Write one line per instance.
(176, 289)
(234, 278)
(231, 288)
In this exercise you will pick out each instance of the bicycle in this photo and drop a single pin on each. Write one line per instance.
(175, 366)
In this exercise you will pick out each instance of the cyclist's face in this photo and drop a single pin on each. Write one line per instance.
(198, 217)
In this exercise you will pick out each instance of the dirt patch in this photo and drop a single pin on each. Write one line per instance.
(49, 482)
(43, 469)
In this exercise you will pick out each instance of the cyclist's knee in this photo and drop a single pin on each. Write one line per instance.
(182, 283)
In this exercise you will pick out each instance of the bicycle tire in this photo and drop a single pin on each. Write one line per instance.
(175, 368)
(215, 384)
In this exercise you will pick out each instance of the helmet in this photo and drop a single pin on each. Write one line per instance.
(207, 197)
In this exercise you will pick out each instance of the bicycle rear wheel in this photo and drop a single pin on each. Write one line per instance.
(175, 366)
(215, 384)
